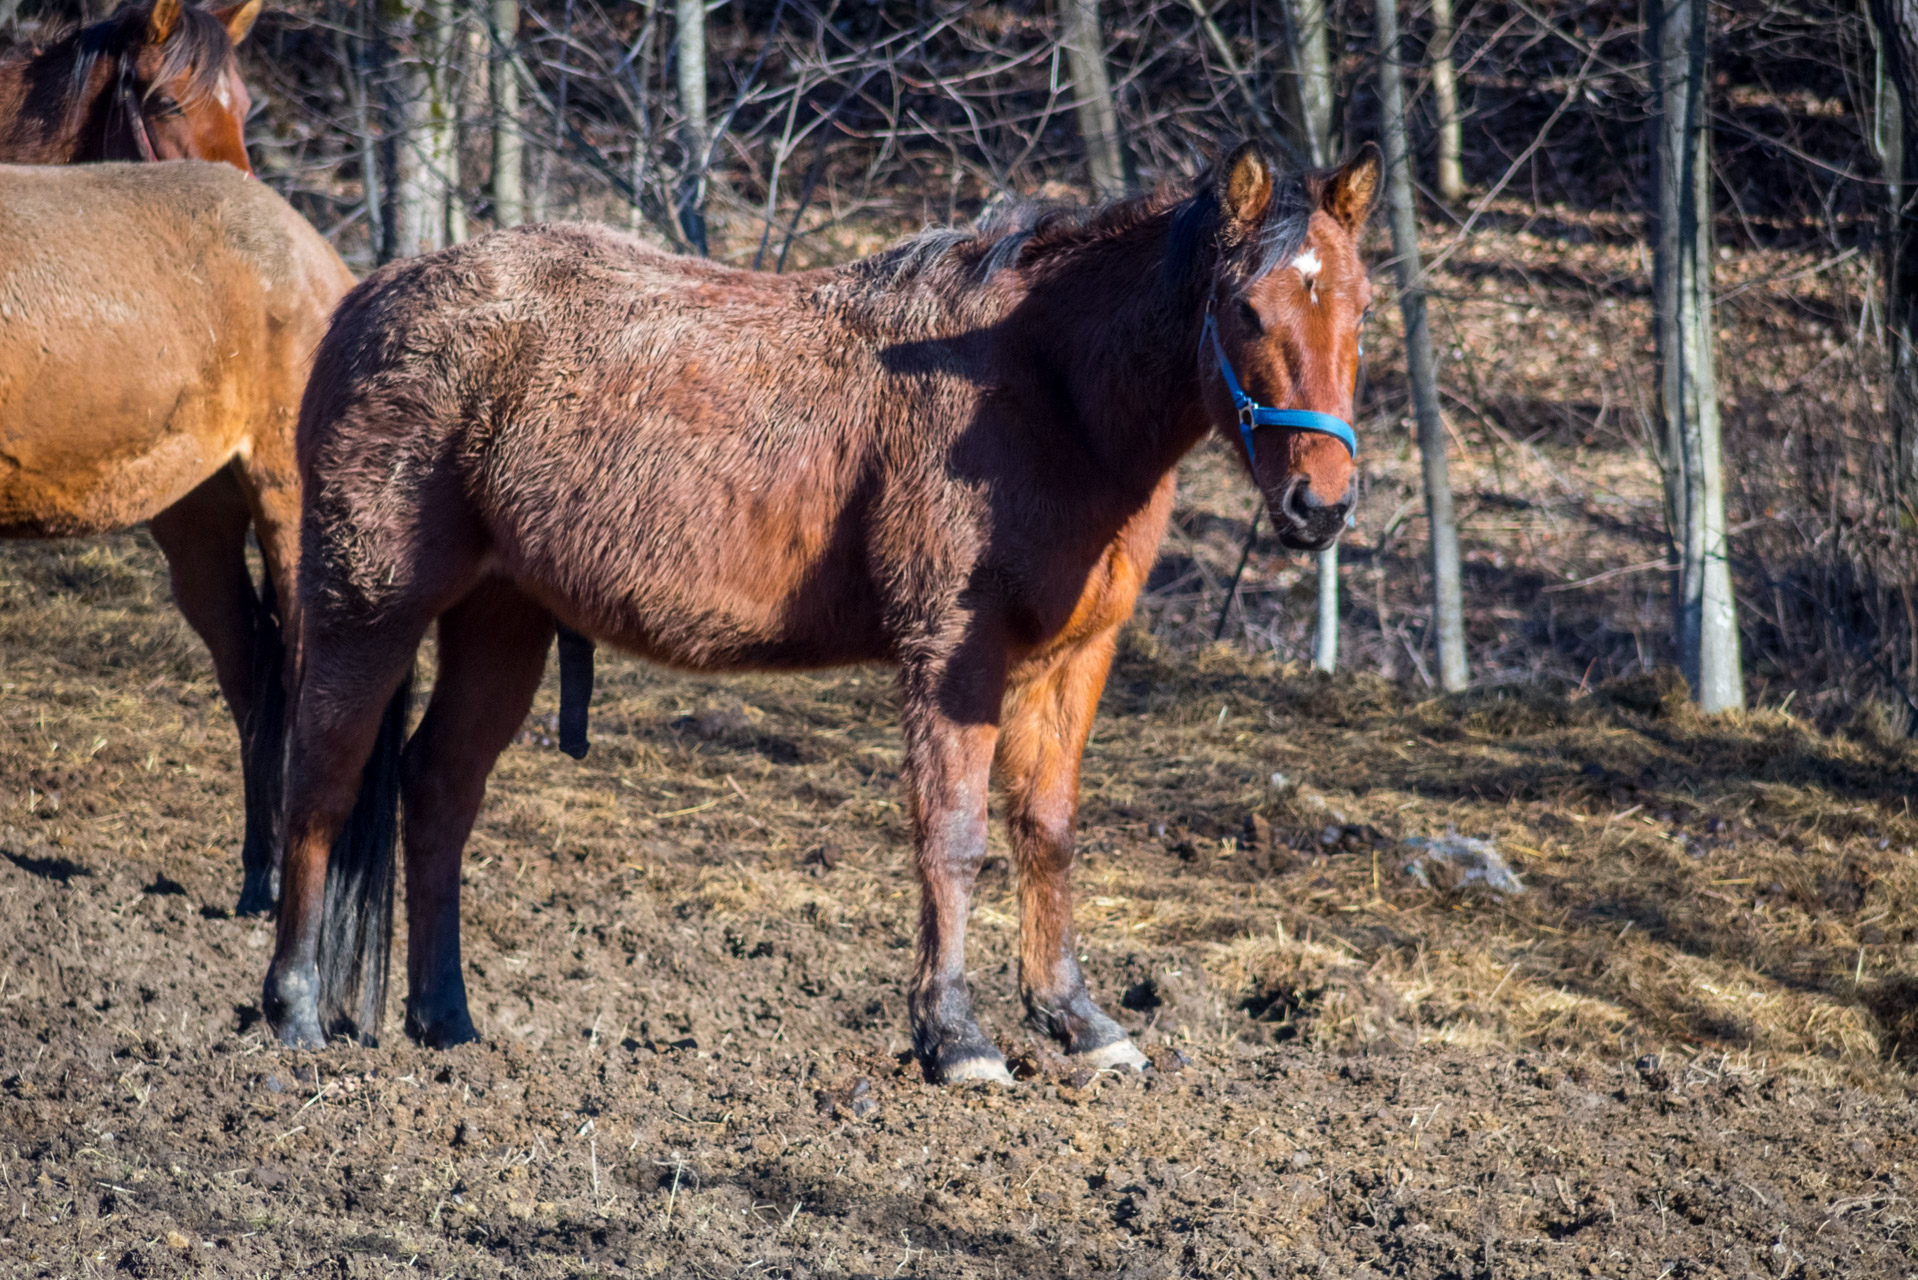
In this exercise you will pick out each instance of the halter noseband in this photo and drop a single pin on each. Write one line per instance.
(1253, 415)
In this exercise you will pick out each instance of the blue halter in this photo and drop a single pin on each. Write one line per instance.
(1253, 415)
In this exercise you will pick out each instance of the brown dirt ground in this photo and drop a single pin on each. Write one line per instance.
(1677, 1055)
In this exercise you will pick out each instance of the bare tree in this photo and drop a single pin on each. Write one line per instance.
(1895, 26)
(691, 51)
(1308, 45)
(445, 79)
(509, 176)
(1448, 612)
(1706, 621)
(1084, 43)
(414, 217)
(1451, 170)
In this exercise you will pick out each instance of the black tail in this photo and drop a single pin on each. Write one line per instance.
(263, 760)
(356, 926)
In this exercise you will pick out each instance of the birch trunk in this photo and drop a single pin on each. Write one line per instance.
(1705, 624)
(691, 51)
(1098, 117)
(509, 174)
(414, 217)
(1448, 611)
(1451, 172)
(1308, 46)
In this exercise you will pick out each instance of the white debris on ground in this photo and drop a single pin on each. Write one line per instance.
(1453, 862)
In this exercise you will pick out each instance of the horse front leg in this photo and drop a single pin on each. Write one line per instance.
(1048, 716)
(949, 711)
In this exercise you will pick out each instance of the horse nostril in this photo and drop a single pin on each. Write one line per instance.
(1300, 504)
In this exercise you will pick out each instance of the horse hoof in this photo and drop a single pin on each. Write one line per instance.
(1120, 1054)
(976, 1071)
(443, 1033)
(255, 900)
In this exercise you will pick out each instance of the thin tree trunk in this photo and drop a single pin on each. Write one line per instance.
(415, 201)
(1325, 641)
(1705, 624)
(443, 115)
(1895, 26)
(1308, 46)
(692, 105)
(1098, 117)
(1451, 173)
(509, 175)
(1448, 612)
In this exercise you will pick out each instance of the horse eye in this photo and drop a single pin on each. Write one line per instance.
(1250, 317)
(161, 105)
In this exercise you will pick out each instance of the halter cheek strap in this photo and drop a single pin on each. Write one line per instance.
(135, 117)
(1253, 415)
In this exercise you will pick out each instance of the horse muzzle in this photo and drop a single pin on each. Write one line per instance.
(1306, 522)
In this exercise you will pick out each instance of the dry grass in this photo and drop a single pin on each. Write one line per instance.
(1741, 889)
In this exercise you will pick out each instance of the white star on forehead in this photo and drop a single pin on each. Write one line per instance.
(1307, 264)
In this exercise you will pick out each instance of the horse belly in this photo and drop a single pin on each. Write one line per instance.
(91, 462)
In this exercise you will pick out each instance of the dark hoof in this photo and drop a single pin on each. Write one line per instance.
(442, 1029)
(291, 1004)
(257, 898)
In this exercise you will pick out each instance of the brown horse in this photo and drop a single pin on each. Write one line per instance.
(152, 82)
(955, 457)
(156, 327)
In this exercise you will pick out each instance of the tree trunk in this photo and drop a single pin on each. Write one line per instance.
(1895, 25)
(509, 175)
(1448, 612)
(693, 131)
(1098, 117)
(414, 218)
(444, 75)
(1705, 624)
(1451, 174)
(1308, 47)
(1325, 641)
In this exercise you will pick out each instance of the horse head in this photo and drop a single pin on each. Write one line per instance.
(177, 89)
(1279, 350)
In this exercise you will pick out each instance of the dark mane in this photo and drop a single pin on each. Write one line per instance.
(1022, 234)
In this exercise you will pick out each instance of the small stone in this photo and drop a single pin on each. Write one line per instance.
(175, 1240)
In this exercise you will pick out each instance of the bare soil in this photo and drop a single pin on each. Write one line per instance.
(1677, 1054)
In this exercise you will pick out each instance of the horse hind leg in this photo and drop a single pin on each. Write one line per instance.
(492, 651)
(1042, 734)
(328, 972)
(203, 536)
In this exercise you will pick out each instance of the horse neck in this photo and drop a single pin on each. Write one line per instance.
(40, 122)
(1121, 333)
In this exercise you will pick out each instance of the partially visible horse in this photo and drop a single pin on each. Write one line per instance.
(156, 327)
(156, 81)
(956, 456)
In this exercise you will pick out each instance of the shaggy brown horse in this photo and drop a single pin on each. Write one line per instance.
(156, 327)
(955, 457)
(152, 82)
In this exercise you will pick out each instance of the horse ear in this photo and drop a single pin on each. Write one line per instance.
(238, 19)
(163, 21)
(1349, 194)
(1246, 191)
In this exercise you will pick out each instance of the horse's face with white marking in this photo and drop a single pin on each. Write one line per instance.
(1289, 325)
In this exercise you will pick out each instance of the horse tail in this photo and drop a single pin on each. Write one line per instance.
(356, 921)
(263, 742)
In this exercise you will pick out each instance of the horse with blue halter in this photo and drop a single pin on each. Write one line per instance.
(954, 457)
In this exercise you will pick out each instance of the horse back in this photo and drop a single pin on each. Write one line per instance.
(155, 321)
